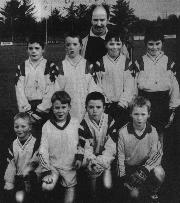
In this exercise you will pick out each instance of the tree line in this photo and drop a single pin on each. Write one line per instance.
(18, 20)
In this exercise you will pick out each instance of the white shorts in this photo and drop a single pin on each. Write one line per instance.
(67, 178)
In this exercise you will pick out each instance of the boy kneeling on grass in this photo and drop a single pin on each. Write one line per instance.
(20, 177)
(140, 153)
(58, 148)
(97, 147)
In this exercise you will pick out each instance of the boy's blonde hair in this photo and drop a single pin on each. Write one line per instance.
(24, 116)
(140, 102)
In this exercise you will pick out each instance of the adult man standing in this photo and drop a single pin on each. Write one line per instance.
(93, 44)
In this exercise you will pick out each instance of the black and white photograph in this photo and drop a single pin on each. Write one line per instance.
(89, 101)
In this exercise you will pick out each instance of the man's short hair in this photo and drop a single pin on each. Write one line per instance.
(153, 33)
(140, 102)
(61, 96)
(95, 96)
(36, 38)
(105, 6)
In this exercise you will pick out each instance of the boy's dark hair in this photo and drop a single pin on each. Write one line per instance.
(61, 96)
(153, 33)
(24, 116)
(36, 38)
(74, 34)
(103, 5)
(119, 36)
(95, 96)
(140, 102)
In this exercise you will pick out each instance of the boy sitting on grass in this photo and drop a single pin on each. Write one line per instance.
(140, 153)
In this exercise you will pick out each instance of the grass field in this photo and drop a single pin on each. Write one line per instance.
(10, 56)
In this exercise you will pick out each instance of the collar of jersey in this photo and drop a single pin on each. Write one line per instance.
(53, 121)
(131, 130)
(112, 60)
(40, 60)
(93, 124)
(71, 62)
(91, 34)
(25, 143)
(155, 60)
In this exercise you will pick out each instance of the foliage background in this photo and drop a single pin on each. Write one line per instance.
(18, 20)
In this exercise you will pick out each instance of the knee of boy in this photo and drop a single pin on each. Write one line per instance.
(134, 193)
(159, 173)
(107, 179)
(48, 187)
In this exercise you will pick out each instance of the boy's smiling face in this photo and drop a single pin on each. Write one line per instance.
(35, 51)
(95, 109)
(114, 48)
(73, 46)
(22, 128)
(140, 116)
(154, 48)
(60, 111)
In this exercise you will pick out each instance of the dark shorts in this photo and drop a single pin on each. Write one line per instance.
(159, 108)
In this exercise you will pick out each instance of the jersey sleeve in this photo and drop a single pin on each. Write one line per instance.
(85, 148)
(61, 79)
(121, 155)
(174, 92)
(155, 154)
(125, 51)
(22, 101)
(109, 152)
(129, 86)
(44, 151)
(10, 172)
(34, 163)
(91, 74)
(51, 75)
(93, 87)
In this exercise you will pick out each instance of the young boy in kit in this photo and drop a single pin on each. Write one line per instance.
(58, 147)
(115, 78)
(97, 147)
(140, 153)
(35, 81)
(156, 80)
(75, 75)
(22, 160)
